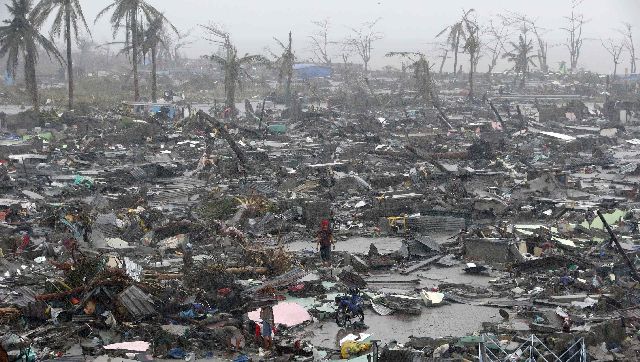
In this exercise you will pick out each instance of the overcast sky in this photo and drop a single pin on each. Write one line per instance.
(407, 25)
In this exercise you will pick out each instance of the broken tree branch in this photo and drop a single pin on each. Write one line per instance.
(618, 247)
(214, 123)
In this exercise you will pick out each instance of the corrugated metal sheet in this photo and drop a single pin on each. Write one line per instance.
(436, 223)
(20, 296)
(137, 302)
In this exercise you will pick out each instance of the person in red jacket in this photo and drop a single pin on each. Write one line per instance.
(325, 241)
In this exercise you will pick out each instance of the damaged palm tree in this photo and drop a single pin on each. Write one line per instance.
(424, 82)
(455, 34)
(233, 66)
(151, 41)
(521, 56)
(472, 46)
(154, 37)
(284, 64)
(517, 20)
(421, 73)
(20, 35)
(128, 15)
(174, 44)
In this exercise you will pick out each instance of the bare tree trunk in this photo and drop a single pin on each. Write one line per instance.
(471, 77)
(67, 21)
(543, 58)
(154, 75)
(455, 55)
(289, 65)
(230, 99)
(444, 59)
(134, 58)
(633, 61)
(30, 76)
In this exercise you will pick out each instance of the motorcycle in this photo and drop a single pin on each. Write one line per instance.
(349, 307)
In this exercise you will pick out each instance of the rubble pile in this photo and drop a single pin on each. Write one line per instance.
(511, 225)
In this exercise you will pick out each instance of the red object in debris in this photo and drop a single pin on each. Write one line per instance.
(25, 241)
(257, 331)
(224, 291)
(296, 288)
(75, 301)
(281, 297)
(70, 244)
(297, 345)
(3, 215)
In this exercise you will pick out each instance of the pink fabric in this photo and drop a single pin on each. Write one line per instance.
(137, 346)
(287, 313)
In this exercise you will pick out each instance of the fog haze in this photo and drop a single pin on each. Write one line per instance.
(407, 25)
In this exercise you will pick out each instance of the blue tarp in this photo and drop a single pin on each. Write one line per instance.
(307, 71)
(631, 77)
(8, 79)
(156, 108)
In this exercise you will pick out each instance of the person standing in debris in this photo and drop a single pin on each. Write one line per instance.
(325, 241)
(266, 329)
(25, 238)
(187, 257)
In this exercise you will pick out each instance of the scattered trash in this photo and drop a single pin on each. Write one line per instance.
(497, 208)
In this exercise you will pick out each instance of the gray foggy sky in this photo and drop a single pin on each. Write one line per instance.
(407, 25)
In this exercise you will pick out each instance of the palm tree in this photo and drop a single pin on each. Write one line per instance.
(20, 35)
(154, 38)
(126, 15)
(473, 47)
(68, 14)
(522, 56)
(456, 32)
(232, 65)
